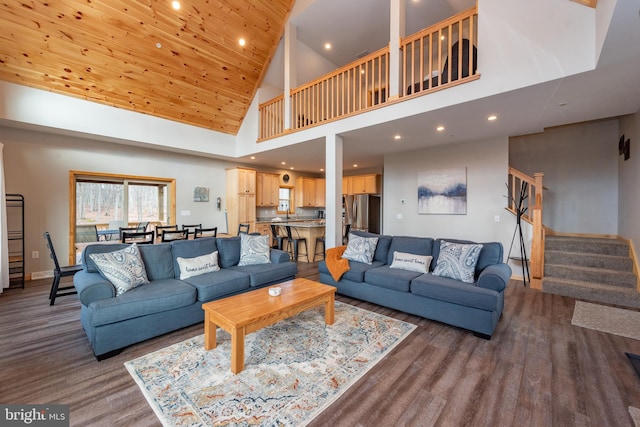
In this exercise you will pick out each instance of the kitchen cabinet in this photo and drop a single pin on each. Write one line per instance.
(361, 184)
(264, 228)
(267, 187)
(305, 192)
(321, 187)
(241, 198)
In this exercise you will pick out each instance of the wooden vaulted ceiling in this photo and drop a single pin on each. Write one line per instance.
(184, 65)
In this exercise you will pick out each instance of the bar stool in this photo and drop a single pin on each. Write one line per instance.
(319, 240)
(296, 243)
(278, 240)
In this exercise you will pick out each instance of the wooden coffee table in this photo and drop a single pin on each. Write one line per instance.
(245, 313)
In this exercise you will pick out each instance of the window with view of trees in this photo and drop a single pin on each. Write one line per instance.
(109, 201)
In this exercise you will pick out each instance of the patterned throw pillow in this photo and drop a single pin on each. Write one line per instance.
(360, 249)
(254, 249)
(190, 267)
(457, 261)
(411, 262)
(124, 268)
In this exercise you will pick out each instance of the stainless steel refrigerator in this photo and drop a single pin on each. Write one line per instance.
(362, 211)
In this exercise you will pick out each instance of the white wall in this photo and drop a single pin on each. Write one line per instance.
(580, 166)
(37, 165)
(487, 169)
(629, 182)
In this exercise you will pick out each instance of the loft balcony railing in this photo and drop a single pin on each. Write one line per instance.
(364, 84)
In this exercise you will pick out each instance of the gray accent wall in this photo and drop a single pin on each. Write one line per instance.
(580, 166)
(629, 181)
(486, 163)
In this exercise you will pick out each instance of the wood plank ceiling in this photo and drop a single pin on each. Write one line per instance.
(184, 65)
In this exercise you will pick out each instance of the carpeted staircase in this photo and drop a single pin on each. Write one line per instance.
(591, 269)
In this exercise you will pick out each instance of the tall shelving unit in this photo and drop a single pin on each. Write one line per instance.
(15, 232)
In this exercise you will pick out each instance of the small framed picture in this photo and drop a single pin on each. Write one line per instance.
(201, 194)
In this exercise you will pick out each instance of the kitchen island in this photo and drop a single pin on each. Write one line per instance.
(309, 230)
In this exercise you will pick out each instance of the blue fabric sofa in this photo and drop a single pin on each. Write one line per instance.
(474, 306)
(166, 303)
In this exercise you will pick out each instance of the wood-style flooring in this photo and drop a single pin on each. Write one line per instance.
(537, 370)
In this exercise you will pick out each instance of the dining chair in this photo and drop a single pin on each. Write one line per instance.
(243, 228)
(128, 230)
(205, 232)
(169, 235)
(191, 228)
(293, 238)
(161, 228)
(142, 226)
(139, 237)
(58, 273)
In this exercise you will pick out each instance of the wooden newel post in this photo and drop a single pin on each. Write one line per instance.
(537, 242)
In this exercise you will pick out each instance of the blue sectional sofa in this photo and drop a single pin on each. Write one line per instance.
(474, 306)
(166, 303)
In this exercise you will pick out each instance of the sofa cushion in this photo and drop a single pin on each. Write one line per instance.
(254, 249)
(412, 245)
(190, 267)
(228, 251)
(394, 279)
(191, 249)
(491, 253)
(360, 249)
(457, 261)
(454, 291)
(411, 262)
(382, 248)
(158, 261)
(217, 284)
(262, 274)
(124, 268)
(155, 297)
(358, 269)
(98, 248)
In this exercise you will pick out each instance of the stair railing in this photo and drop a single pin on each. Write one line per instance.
(533, 215)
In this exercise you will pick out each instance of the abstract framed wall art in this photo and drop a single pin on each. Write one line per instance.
(443, 192)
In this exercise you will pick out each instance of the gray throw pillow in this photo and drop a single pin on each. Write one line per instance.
(360, 249)
(254, 249)
(124, 268)
(457, 261)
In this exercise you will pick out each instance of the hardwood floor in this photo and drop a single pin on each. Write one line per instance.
(537, 370)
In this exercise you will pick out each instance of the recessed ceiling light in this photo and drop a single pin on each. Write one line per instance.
(283, 163)
(327, 46)
(252, 157)
(440, 128)
(492, 117)
(242, 42)
(321, 169)
(355, 165)
(158, 45)
(291, 168)
(397, 137)
(175, 4)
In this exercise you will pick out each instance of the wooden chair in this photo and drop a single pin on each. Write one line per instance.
(243, 228)
(345, 235)
(139, 237)
(169, 235)
(205, 232)
(58, 273)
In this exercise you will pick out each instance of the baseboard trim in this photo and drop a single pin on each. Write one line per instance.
(41, 275)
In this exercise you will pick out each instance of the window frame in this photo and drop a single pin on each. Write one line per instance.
(292, 205)
(75, 176)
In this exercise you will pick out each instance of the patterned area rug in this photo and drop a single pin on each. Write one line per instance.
(293, 370)
(603, 318)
